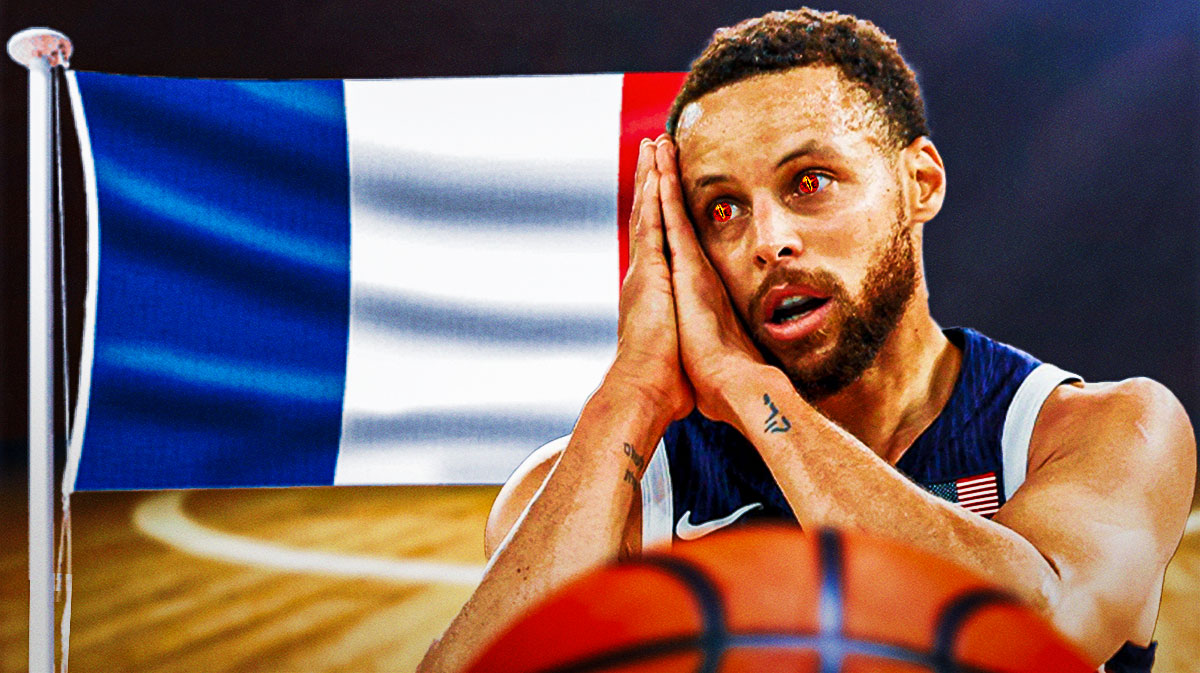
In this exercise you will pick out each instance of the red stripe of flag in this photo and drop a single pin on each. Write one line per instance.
(979, 494)
(645, 99)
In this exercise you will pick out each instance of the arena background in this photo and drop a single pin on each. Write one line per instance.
(1071, 137)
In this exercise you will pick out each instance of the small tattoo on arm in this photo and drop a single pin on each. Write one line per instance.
(634, 456)
(776, 422)
(637, 460)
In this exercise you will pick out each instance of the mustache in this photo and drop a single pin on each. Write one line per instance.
(821, 280)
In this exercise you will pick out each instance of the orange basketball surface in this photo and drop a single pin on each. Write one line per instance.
(773, 599)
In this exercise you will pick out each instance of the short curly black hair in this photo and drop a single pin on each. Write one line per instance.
(776, 41)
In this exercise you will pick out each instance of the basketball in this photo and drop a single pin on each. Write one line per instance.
(772, 599)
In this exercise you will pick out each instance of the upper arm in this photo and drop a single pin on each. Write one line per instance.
(1112, 470)
(523, 485)
(520, 488)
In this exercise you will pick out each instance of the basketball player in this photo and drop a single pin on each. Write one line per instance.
(777, 359)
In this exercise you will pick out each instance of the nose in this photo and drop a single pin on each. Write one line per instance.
(776, 236)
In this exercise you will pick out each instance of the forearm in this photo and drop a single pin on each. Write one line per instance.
(573, 523)
(831, 479)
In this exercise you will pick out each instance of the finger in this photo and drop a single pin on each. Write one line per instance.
(648, 234)
(644, 164)
(685, 252)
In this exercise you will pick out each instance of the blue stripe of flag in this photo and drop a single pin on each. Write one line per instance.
(224, 285)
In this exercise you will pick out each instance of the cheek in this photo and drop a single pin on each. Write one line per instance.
(866, 257)
(848, 256)
(848, 244)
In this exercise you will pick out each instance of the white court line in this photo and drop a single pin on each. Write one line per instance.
(162, 518)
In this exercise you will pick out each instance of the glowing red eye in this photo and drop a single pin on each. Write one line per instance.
(809, 183)
(721, 212)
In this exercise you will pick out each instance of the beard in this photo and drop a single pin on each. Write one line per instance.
(856, 328)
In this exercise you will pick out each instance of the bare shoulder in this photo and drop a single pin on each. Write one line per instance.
(1111, 473)
(520, 488)
(1135, 422)
(1124, 452)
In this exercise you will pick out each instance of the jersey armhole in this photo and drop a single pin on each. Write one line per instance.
(1019, 421)
(657, 500)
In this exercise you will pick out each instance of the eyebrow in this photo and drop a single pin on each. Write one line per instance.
(810, 147)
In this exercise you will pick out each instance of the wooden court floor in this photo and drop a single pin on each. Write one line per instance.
(245, 580)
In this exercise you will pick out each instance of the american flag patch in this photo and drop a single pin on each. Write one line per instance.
(979, 494)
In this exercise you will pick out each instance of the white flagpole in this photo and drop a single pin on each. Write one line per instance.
(40, 50)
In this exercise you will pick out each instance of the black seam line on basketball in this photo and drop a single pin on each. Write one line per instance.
(810, 642)
(871, 648)
(712, 612)
(629, 655)
(952, 617)
(830, 606)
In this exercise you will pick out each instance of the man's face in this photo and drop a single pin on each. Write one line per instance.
(797, 201)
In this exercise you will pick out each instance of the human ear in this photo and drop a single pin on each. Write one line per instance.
(926, 178)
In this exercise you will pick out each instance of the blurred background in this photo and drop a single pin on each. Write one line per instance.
(1070, 132)
(1071, 137)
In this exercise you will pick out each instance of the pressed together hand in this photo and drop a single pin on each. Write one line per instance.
(679, 336)
(648, 342)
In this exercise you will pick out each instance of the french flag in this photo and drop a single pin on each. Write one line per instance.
(347, 282)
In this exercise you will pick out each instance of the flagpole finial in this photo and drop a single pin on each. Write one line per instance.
(32, 45)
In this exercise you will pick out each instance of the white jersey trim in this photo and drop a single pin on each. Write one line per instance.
(1020, 418)
(657, 500)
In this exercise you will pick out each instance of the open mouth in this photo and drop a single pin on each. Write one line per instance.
(794, 308)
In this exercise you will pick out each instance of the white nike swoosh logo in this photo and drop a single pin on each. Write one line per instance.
(686, 530)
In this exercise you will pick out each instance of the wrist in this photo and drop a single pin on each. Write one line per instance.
(732, 379)
(616, 433)
(651, 383)
(649, 403)
(740, 387)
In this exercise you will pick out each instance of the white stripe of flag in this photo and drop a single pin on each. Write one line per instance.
(979, 494)
(484, 267)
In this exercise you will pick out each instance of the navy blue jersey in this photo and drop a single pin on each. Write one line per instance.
(974, 454)
(715, 470)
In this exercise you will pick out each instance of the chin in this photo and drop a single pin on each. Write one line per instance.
(812, 353)
(807, 367)
(826, 368)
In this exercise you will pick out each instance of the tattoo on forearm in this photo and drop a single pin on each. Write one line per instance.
(776, 422)
(634, 457)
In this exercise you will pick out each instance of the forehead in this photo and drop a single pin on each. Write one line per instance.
(779, 110)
